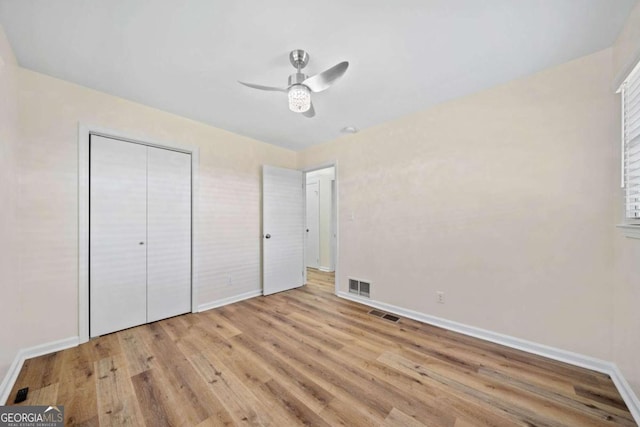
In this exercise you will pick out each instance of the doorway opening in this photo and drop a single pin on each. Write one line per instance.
(321, 226)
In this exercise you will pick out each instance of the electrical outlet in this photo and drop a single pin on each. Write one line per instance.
(440, 297)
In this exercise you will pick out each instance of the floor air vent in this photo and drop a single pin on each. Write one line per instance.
(391, 317)
(385, 316)
(359, 287)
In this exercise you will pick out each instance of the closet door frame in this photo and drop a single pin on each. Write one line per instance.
(84, 133)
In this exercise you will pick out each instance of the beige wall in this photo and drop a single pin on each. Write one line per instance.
(501, 199)
(626, 319)
(9, 285)
(228, 241)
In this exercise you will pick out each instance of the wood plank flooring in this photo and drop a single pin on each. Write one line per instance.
(306, 357)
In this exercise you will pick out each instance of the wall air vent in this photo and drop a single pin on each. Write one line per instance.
(364, 289)
(354, 286)
(359, 287)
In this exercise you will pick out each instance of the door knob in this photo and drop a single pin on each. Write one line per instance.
(141, 243)
(268, 236)
(307, 230)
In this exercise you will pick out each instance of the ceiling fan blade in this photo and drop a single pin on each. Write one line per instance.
(322, 81)
(271, 88)
(310, 112)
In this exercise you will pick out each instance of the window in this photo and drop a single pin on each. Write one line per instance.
(630, 90)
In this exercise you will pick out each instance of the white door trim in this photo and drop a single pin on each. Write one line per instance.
(84, 131)
(334, 164)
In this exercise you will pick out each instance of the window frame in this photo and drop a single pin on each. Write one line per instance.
(630, 226)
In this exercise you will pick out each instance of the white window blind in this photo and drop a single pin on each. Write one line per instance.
(631, 143)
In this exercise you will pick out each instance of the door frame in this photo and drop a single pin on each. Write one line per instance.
(84, 133)
(334, 164)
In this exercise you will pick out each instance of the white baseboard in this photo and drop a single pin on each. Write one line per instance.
(326, 269)
(626, 392)
(229, 300)
(569, 357)
(28, 353)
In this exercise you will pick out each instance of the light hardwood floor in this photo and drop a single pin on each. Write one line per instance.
(306, 357)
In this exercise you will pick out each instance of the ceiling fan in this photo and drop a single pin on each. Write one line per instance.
(300, 85)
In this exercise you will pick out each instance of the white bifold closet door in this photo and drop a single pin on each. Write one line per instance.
(169, 233)
(140, 234)
(118, 235)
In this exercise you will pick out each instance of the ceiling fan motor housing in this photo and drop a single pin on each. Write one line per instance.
(296, 79)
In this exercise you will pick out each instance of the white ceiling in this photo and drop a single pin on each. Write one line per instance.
(406, 55)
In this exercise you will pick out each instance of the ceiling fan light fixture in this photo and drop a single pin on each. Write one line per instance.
(299, 98)
(300, 85)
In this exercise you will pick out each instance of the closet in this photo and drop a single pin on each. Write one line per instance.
(139, 234)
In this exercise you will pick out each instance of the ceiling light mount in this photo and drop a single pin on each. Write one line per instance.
(299, 59)
(349, 129)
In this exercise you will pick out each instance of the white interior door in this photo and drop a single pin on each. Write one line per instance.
(118, 235)
(312, 254)
(169, 233)
(283, 229)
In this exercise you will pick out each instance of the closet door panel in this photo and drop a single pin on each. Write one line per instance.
(118, 258)
(169, 233)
